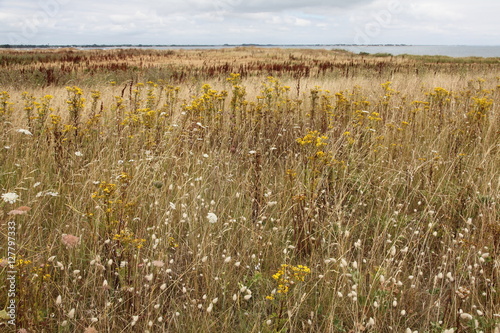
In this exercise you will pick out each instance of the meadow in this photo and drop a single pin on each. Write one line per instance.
(249, 190)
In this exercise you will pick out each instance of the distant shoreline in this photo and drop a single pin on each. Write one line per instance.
(456, 51)
(48, 46)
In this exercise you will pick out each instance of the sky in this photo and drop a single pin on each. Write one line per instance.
(203, 22)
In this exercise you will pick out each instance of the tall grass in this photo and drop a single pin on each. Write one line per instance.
(255, 203)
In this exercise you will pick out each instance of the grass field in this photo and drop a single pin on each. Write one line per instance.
(249, 190)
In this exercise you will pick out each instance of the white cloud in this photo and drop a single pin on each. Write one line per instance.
(436, 11)
(244, 21)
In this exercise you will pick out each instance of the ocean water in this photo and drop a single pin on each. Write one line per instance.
(444, 50)
(486, 51)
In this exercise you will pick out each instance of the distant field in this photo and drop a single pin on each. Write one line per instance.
(249, 190)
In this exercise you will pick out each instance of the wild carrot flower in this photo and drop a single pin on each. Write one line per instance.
(158, 263)
(10, 197)
(212, 218)
(19, 210)
(70, 241)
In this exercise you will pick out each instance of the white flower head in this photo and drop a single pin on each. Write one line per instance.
(10, 197)
(78, 153)
(212, 218)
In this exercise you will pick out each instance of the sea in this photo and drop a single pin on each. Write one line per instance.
(443, 50)
(485, 51)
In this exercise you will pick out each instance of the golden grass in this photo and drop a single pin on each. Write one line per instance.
(329, 202)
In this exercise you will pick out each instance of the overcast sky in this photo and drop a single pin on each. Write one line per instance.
(56, 22)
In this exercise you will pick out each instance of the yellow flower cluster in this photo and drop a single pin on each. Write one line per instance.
(313, 138)
(172, 243)
(126, 237)
(234, 78)
(287, 276)
(481, 107)
(5, 105)
(207, 105)
(22, 262)
(105, 190)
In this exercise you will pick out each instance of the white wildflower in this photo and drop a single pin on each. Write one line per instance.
(357, 244)
(10, 197)
(212, 218)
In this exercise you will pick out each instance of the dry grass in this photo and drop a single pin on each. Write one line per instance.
(326, 202)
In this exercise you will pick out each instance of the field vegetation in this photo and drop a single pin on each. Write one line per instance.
(250, 190)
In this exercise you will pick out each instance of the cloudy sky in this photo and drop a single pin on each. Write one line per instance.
(428, 22)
